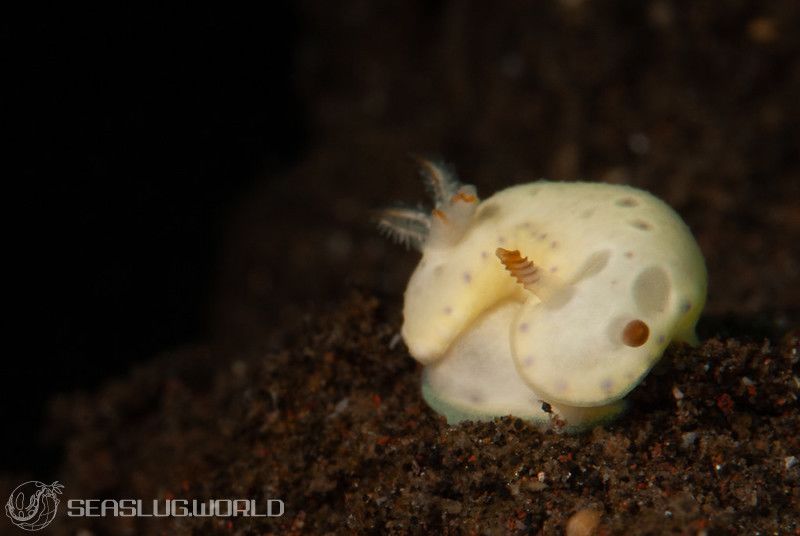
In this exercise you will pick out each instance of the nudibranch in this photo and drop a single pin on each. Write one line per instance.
(546, 299)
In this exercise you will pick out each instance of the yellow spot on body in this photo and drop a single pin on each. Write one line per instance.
(626, 202)
(594, 264)
(651, 290)
(487, 212)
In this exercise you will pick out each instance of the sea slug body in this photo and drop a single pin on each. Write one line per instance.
(562, 293)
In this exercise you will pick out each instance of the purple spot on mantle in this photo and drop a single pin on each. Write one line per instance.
(467, 278)
(523, 327)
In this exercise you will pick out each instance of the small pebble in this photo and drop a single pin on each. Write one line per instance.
(583, 523)
(239, 368)
(762, 30)
(396, 339)
(339, 407)
(789, 462)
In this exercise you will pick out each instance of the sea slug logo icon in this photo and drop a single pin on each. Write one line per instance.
(33, 504)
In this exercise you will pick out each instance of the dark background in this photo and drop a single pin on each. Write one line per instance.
(134, 133)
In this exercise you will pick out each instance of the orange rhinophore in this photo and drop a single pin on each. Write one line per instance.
(454, 204)
(463, 196)
(520, 267)
(440, 214)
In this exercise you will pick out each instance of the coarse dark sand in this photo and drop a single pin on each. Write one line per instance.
(333, 424)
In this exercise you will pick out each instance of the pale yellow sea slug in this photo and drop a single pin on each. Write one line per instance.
(548, 297)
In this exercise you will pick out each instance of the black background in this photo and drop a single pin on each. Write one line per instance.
(131, 135)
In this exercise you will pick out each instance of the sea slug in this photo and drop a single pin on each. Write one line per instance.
(546, 299)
